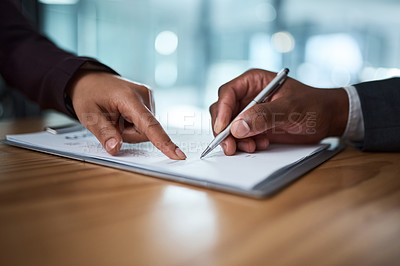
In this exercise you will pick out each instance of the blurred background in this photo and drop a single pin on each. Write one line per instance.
(185, 50)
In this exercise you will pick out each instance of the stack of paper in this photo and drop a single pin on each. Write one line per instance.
(242, 171)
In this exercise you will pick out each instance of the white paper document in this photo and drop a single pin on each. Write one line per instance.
(242, 170)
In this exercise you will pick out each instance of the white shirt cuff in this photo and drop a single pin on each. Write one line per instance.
(355, 123)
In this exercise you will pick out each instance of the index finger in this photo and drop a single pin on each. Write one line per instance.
(227, 104)
(237, 93)
(144, 120)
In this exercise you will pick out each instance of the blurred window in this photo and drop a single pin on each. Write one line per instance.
(185, 50)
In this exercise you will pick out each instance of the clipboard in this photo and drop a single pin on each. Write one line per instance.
(267, 187)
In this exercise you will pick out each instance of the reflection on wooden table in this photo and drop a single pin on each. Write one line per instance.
(56, 211)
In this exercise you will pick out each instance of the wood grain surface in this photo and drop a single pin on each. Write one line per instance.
(57, 211)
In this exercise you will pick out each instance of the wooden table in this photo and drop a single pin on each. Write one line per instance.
(56, 211)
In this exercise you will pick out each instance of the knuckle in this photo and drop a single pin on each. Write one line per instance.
(105, 132)
(124, 96)
(253, 71)
(164, 144)
(168, 143)
(139, 88)
(226, 89)
(221, 90)
(258, 110)
(152, 126)
(151, 123)
(212, 107)
(130, 91)
(89, 119)
(116, 99)
(259, 118)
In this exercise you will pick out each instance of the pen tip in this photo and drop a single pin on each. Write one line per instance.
(207, 150)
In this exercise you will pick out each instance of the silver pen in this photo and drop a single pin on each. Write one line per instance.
(267, 92)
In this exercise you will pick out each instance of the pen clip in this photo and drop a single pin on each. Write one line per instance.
(273, 91)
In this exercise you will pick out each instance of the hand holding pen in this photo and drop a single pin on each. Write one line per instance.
(295, 114)
(261, 97)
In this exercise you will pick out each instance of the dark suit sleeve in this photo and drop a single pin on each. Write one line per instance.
(380, 104)
(32, 64)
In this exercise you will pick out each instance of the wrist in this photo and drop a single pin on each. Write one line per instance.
(87, 68)
(69, 91)
(339, 111)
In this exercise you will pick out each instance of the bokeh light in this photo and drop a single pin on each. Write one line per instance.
(166, 42)
(283, 41)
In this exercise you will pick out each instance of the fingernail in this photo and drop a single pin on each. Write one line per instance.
(240, 128)
(180, 154)
(111, 144)
(217, 126)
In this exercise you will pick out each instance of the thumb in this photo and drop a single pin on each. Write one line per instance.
(259, 118)
(105, 132)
